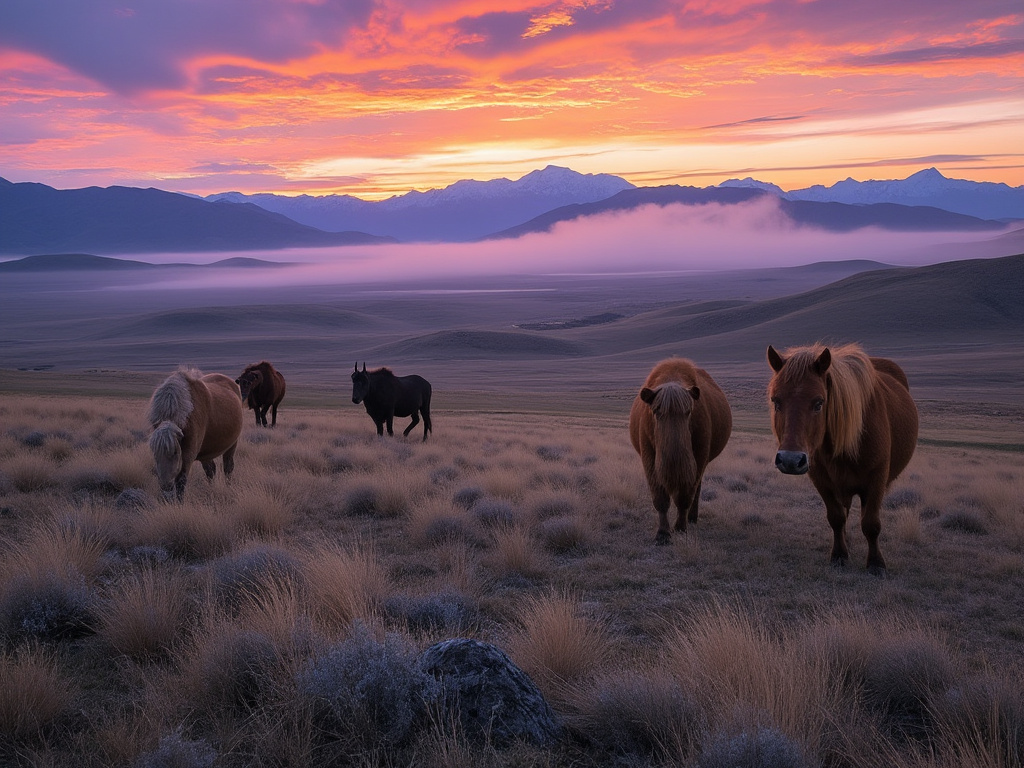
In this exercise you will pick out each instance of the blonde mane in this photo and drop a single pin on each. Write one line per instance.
(851, 381)
(172, 400)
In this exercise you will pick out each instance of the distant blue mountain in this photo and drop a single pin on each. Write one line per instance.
(464, 211)
(35, 218)
(982, 199)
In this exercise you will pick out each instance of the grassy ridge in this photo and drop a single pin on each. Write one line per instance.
(137, 632)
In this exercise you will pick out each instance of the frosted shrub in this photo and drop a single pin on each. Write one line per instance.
(46, 607)
(366, 691)
(764, 748)
(175, 751)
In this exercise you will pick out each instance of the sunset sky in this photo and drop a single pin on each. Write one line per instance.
(378, 97)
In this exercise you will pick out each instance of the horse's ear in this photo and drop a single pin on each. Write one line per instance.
(364, 366)
(823, 362)
(775, 360)
(695, 392)
(356, 369)
(647, 395)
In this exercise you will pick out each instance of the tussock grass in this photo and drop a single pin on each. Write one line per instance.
(188, 626)
(34, 694)
(145, 614)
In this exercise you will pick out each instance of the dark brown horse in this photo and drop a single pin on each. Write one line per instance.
(262, 388)
(680, 421)
(849, 422)
(385, 396)
(194, 418)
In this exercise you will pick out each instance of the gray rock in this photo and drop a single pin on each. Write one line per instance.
(492, 697)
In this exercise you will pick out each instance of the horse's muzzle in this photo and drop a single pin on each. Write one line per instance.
(356, 400)
(792, 462)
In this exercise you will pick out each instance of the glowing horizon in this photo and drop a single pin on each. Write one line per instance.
(379, 97)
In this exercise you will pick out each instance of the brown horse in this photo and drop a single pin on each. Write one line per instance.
(194, 418)
(849, 422)
(262, 388)
(680, 421)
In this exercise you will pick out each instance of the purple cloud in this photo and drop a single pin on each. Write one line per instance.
(940, 53)
(137, 46)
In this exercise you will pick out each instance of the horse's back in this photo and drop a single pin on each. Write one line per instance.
(900, 412)
(223, 413)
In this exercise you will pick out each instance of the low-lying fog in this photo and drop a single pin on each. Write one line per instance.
(653, 239)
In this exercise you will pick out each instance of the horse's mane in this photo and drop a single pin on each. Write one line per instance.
(165, 440)
(851, 379)
(672, 399)
(262, 365)
(384, 371)
(172, 400)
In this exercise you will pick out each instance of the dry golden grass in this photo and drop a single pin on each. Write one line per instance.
(34, 694)
(541, 525)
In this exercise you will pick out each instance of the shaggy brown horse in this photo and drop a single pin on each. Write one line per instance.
(194, 418)
(849, 422)
(262, 388)
(680, 421)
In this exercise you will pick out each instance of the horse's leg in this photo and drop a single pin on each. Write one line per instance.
(179, 483)
(691, 514)
(380, 427)
(273, 415)
(684, 502)
(427, 426)
(263, 415)
(871, 526)
(209, 468)
(836, 510)
(662, 501)
(229, 461)
(413, 423)
(391, 423)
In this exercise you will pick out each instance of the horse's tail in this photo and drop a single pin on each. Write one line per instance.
(165, 442)
(172, 400)
(425, 410)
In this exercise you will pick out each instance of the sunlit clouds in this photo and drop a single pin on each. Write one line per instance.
(377, 97)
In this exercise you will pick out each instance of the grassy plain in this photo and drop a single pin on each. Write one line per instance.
(139, 632)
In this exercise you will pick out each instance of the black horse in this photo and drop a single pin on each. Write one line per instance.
(262, 387)
(386, 396)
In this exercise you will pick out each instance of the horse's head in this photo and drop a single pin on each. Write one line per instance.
(165, 442)
(798, 392)
(249, 381)
(360, 384)
(671, 405)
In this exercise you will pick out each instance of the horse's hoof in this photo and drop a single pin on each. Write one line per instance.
(838, 562)
(663, 538)
(877, 570)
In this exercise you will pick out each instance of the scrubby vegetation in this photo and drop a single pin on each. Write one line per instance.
(276, 620)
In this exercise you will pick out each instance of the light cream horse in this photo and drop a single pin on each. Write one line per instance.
(194, 418)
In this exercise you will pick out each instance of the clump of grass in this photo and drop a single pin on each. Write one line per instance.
(189, 531)
(902, 497)
(467, 497)
(516, 553)
(639, 716)
(435, 522)
(261, 509)
(494, 512)
(964, 521)
(564, 535)
(366, 692)
(552, 452)
(34, 695)
(381, 499)
(345, 584)
(444, 475)
(556, 642)
(252, 570)
(145, 615)
(233, 669)
(30, 473)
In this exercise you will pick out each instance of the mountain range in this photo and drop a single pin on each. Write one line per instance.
(35, 218)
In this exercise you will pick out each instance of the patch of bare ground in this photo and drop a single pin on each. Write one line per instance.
(139, 632)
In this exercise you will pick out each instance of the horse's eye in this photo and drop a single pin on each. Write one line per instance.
(818, 405)
(777, 404)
